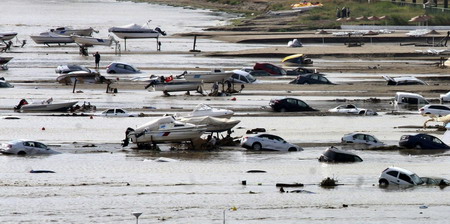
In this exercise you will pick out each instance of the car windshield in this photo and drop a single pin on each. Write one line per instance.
(251, 78)
(416, 179)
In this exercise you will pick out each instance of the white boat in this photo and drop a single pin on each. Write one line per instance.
(135, 31)
(45, 105)
(7, 35)
(91, 41)
(176, 85)
(68, 31)
(51, 38)
(164, 130)
(202, 110)
(216, 75)
(80, 76)
(212, 124)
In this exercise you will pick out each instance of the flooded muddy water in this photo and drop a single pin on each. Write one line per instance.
(96, 180)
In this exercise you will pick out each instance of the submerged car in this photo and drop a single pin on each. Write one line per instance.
(116, 112)
(268, 142)
(121, 68)
(300, 71)
(399, 176)
(361, 138)
(404, 80)
(25, 147)
(314, 78)
(422, 141)
(335, 155)
(64, 69)
(289, 104)
(352, 109)
(254, 72)
(240, 76)
(445, 97)
(435, 109)
(270, 68)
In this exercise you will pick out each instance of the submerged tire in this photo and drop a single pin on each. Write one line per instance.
(256, 146)
(21, 153)
(292, 149)
(383, 182)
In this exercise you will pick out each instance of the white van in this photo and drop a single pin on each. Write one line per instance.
(409, 98)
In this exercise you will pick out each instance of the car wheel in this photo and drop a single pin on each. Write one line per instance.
(362, 112)
(112, 72)
(21, 153)
(383, 182)
(283, 110)
(256, 146)
(292, 149)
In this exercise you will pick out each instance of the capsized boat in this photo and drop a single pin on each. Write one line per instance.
(91, 41)
(212, 124)
(45, 105)
(7, 35)
(68, 31)
(164, 130)
(202, 110)
(216, 75)
(135, 31)
(51, 38)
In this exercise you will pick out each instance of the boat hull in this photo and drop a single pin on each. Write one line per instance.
(80, 76)
(4, 60)
(48, 107)
(52, 40)
(167, 136)
(7, 35)
(91, 41)
(178, 86)
(208, 77)
(68, 31)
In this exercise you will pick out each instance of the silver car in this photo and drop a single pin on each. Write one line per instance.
(25, 147)
(268, 142)
(121, 68)
(64, 69)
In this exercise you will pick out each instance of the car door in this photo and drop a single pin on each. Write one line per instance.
(264, 140)
(280, 144)
(120, 113)
(30, 147)
(392, 177)
(272, 143)
(359, 138)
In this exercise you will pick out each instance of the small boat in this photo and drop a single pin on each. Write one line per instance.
(212, 124)
(7, 35)
(4, 61)
(81, 77)
(135, 31)
(216, 75)
(45, 105)
(91, 41)
(176, 85)
(297, 59)
(202, 110)
(164, 130)
(68, 31)
(294, 43)
(51, 38)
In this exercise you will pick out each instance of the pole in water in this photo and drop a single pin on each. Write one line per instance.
(74, 85)
(195, 43)
(137, 214)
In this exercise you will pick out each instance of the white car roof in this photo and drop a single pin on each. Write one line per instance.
(401, 170)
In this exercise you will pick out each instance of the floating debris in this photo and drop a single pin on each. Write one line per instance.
(256, 171)
(328, 182)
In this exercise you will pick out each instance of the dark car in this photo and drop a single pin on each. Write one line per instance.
(422, 141)
(315, 78)
(289, 104)
(270, 68)
(334, 155)
(300, 71)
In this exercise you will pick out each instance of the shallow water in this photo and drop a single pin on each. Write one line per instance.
(106, 183)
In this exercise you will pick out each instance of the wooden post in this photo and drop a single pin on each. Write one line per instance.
(195, 43)
(74, 85)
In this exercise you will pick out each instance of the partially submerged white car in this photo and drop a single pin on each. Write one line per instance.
(116, 112)
(352, 109)
(25, 147)
(434, 110)
(399, 176)
(445, 97)
(268, 142)
(361, 138)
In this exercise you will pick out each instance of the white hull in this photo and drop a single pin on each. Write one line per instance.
(178, 86)
(52, 39)
(7, 35)
(212, 124)
(135, 35)
(207, 77)
(67, 31)
(91, 41)
(48, 107)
